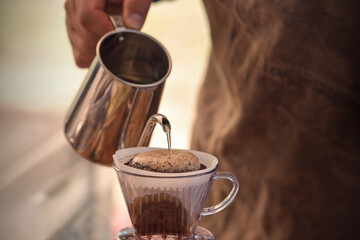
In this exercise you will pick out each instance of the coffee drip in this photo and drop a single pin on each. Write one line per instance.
(168, 136)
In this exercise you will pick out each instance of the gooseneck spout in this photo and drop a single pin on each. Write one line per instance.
(149, 128)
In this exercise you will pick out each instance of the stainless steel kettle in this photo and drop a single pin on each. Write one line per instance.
(121, 91)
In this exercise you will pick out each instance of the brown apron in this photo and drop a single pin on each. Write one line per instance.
(280, 108)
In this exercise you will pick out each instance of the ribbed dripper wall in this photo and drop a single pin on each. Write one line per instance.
(164, 211)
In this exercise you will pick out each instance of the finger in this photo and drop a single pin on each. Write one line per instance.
(93, 18)
(70, 10)
(83, 54)
(114, 6)
(134, 13)
(83, 51)
(85, 37)
(83, 60)
(69, 6)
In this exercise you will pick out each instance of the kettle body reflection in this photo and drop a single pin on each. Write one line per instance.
(121, 91)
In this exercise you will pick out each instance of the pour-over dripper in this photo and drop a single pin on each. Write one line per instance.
(168, 204)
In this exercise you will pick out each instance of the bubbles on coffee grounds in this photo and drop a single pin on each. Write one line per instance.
(164, 214)
(160, 161)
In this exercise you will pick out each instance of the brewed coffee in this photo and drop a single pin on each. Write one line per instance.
(164, 214)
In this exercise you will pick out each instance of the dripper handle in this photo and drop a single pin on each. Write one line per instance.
(117, 21)
(217, 208)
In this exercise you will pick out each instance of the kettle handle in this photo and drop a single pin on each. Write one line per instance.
(117, 21)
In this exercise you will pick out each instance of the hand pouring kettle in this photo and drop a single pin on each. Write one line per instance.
(121, 90)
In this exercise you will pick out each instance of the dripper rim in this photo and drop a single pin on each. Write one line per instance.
(145, 173)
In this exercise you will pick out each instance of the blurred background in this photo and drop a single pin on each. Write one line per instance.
(46, 190)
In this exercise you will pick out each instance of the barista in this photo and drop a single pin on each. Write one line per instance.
(280, 107)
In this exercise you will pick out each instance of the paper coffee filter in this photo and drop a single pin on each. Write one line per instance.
(122, 156)
(148, 179)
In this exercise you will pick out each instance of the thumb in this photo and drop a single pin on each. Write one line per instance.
(134, 13)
